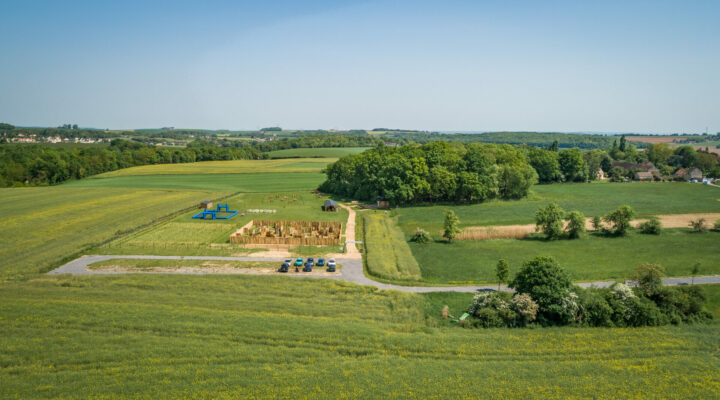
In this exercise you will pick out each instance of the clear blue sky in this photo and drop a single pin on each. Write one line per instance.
(606, 66)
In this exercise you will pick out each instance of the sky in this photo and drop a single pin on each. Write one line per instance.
(568, 66)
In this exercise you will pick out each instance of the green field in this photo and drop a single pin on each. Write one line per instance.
(246, 182)
(43, 225)
(320, 152)
(588, 258)
(223, 167)
(268, 337)
(183, 235)
(591, 199)
(388, 255)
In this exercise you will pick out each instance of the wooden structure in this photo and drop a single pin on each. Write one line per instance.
(383, 202)
(206, 205)
(331, 205)
(298, 233)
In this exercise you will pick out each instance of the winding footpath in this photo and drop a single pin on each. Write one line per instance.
(352, 268)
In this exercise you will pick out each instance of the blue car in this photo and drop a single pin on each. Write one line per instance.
(308, 267)
(311, 260)
(321, 262)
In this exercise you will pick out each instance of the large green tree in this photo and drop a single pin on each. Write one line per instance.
(549, 220)
(548, 285)
(572, 165)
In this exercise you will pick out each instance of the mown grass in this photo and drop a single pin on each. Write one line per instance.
(592, 257)
(183, 235)
(388, 255)
(223, 167)
(320, 152)
(43, 225)
(245, 182)
(589, 198)
(267, 337)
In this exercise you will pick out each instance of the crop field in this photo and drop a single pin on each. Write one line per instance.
(588, 258)
(252, 183)
(268, 337)
(388, 255)
(42, 225)
(326, 152)
(591, 199)
(223, 167)
(183, 235)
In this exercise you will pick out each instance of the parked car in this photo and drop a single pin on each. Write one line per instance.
(311, 260)
(289, 261)
(308, 267)
(284, 267)
(299, 262)
(331, 267)
(321, 262)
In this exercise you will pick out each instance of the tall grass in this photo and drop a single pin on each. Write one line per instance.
(387, 253)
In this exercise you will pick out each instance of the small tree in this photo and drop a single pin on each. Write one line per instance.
(652, 226)
(698, 225)
(451, 226)
(549, 220)
(649, 278)
(695, 271)
(547, 284)
(597, 223)
(421, 236)
(576, 224)
(620, 219)
(502, 271)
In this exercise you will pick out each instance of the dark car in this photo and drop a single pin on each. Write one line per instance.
(284, 267)
(331, 268)
(289, 261)
(321, 262)
(308, 267)
(311, 260)
(298, 262)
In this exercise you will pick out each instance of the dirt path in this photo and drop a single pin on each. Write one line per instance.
(520, 231)
(351, 250)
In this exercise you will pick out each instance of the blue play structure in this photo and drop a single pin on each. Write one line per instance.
(213, 214)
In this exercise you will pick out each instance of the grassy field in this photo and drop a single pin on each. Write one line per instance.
(589, 258)
(320, 152)
(591, 199)
(42, 225)
(246, 182)
(388, 255)
(183, 235)
(223, 167)
(267, 337)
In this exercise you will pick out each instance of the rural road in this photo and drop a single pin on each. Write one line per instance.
(352, 271)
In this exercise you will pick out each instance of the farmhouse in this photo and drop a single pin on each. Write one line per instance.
(686, 174)
(600, 174)
(330, 205)
(643, 176)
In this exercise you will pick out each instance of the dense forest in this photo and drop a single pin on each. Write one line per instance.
(537, 139)
(35, 164)
(436, 171)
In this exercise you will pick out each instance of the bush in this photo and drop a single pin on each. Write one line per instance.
(525, 308)
(549, 220)
(595, 310)
(548, 285)
(488, 318)
(620, 219)
(698, 225)
(649, 279)
(682, 304)
(421, 236)
(643, 312)
(597, 223)
(716, 226)
(576, 224)
(652, 226)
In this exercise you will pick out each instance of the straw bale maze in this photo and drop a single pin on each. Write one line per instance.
(298, 233)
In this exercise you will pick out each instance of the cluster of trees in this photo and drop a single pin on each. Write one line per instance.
(320, 140)
(568, 165)
(669, 159)
(436, 171)
(545, 296)
(534, 139)
(22, 165)
(555, 223)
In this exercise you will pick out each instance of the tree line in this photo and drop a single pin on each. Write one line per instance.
(30, 164)
(437, 171)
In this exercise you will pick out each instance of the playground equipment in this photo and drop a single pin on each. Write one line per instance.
(213, 214)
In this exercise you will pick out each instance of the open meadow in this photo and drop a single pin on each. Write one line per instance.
(319, 152)
(268, 337)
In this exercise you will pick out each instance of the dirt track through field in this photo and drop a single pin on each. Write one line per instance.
(520, 231)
